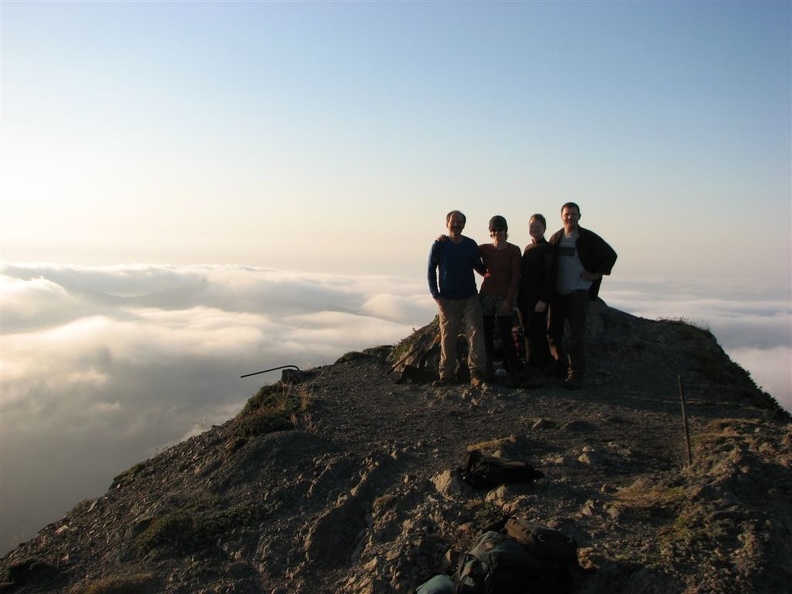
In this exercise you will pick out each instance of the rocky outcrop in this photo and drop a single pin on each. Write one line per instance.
(342, 479)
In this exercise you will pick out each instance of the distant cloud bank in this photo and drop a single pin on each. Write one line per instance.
(103, 367)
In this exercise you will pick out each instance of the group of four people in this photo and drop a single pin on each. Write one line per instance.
(550, 285)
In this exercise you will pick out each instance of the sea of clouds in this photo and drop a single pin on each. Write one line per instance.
(103, 367)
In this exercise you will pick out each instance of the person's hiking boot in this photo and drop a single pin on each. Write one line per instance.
(443, 382)
(574, 381)
(477, 380)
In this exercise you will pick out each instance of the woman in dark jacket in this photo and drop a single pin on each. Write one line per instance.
(535, 292)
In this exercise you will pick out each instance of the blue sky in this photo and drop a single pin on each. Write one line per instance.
(184, 133)
(231, 182)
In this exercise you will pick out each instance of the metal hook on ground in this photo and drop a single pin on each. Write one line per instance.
(273, 369)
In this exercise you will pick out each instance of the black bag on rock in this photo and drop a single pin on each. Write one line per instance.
(487, 472)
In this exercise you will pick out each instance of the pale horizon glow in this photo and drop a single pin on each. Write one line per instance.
(195, 178)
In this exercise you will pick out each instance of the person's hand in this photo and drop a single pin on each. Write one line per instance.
(442, 238)
(540, 306)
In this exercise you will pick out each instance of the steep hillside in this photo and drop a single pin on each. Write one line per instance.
(340, 479)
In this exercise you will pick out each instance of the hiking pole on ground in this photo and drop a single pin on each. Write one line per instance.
(403, 359)
(273, 369)
(684, 419)
(411, 353)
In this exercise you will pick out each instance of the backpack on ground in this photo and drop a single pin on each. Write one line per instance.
(557, 551)
(523, 558)
(487, 472)
(495, 564)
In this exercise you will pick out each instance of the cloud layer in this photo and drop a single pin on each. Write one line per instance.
(104, 367)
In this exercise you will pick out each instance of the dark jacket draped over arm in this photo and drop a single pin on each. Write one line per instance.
(595, 255)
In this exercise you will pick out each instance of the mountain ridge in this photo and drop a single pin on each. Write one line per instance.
(343, 478)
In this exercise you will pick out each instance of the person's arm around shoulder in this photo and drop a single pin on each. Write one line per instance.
(433, 264)
(478, 260)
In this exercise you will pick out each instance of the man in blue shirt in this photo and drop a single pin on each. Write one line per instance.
(453, 286)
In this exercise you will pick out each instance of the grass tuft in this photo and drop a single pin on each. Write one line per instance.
(276, 407)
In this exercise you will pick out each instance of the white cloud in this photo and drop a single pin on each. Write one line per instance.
(402, 309)
(771, 369)
(103, 367)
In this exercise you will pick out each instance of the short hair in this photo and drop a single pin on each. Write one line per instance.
(570, 205)
(459, 212)
(540, 218)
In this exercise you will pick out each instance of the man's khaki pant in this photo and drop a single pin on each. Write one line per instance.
(461, 315)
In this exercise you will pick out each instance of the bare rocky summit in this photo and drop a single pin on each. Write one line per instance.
(339, 479)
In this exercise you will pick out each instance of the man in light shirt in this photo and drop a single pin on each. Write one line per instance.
(580, 259)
